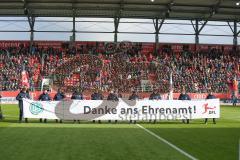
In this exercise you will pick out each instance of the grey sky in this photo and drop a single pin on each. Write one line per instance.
(109, 27)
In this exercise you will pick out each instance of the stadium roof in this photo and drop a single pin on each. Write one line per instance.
(222, 10)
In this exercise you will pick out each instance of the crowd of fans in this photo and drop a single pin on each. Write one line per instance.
(121, 67)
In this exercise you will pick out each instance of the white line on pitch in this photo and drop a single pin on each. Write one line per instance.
(168, 143)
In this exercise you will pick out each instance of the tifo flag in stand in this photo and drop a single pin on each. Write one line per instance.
(25, 81)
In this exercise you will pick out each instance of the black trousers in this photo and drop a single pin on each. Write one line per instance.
(183, 121)
(20, 112)
(214, 120)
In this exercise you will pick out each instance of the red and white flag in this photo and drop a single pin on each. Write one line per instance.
(25, 81)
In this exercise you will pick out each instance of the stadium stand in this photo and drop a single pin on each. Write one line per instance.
(124, 66)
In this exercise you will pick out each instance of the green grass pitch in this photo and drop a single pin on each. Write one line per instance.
(122, 141)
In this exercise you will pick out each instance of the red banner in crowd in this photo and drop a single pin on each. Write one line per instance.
(177, 47)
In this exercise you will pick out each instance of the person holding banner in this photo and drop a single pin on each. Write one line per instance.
(210, 96)
(44, 97)
(184, 96)
(59, 96)
(155, 96)
(20, 96)
(118, 93)
(97, 96)
(77, 95)
(112, 96)
(134, 96)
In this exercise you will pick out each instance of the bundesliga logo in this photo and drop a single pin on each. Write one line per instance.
(207, 108)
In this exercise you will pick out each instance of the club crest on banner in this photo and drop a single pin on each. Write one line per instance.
(36, 108)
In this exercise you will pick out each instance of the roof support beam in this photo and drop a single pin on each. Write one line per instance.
(74, 29)
(230, 27)
(213, 11)
(121, 8)
(117, 20)
(216, 7)
(73, 39)
(158, 23)
(31, 21)
(169, 9)
(132, 9)
(116, 25)
(235, 34)
(203, 25)
(235, 31)
(197, 33)
(197, 29)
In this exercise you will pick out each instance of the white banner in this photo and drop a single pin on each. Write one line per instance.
(122, 110)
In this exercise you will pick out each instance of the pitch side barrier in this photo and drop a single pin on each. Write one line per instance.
(122, 110)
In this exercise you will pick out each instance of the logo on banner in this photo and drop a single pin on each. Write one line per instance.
(36, 108)
(207, 109)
